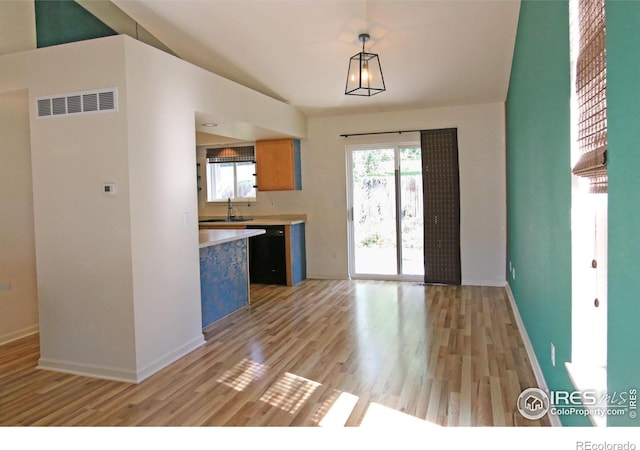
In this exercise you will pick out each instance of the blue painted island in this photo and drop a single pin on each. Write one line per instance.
(224, 272)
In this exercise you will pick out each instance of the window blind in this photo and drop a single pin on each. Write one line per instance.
(231, 154)
(591, 84)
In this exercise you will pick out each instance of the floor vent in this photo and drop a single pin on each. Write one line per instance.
(101, 100)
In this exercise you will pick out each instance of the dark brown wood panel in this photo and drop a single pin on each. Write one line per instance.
(441, 191)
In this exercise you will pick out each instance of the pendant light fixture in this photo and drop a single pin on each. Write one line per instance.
(365, 73)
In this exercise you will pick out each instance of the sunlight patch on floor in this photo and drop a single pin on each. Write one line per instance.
(242, 374)
(340, 410)
(289, 392)
(378, 415)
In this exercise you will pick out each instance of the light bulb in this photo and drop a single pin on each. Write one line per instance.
(366, 75)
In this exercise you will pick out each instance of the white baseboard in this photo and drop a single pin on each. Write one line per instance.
(116, 373)
(88, 370)
(169, 358)
(18, 334)
(465, 282)
(537, 370)
(311, 276)
(492, 283)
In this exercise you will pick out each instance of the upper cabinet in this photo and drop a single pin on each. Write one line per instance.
(278, 165)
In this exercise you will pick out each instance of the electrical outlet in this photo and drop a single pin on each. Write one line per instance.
(5, 287)
(510, 266)
(553, 355)
(513, 273)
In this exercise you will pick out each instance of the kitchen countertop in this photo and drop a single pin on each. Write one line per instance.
(285, 219)
(215, 237)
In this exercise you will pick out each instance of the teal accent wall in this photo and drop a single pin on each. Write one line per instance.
(623, 135)
(64, 21)
(539, 185)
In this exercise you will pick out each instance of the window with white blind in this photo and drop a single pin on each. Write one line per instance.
(231, 174)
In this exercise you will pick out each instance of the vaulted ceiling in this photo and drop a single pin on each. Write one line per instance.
(433, 53)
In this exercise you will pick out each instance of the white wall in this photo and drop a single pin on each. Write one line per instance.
(17, 26)
(162, 167)
(83, 243)
(18, 300)
(18, 296)
(482, 185)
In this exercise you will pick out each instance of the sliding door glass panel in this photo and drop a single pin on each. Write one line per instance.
(411, 223)
(374, 212)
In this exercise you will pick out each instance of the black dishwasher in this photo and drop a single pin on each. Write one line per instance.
(267, 256)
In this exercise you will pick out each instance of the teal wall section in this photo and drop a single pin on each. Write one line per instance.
(63, 21)
(539, 185)
(623, 129)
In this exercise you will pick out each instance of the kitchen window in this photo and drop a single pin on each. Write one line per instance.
(231, 174)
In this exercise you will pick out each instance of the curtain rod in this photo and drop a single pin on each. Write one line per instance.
(380, 132)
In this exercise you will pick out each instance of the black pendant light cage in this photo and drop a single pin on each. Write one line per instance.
(365, 73)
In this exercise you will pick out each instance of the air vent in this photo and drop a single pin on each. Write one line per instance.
(59, 105)
(74, 104)
(44, 107)
(107, 100)
(90, 102)
(103, 100)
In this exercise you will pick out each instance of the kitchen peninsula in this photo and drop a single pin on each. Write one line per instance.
(279, 256)
(224, 271)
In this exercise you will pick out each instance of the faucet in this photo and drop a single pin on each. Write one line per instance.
(229, 209)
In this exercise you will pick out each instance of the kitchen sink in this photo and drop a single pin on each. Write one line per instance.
(233, 219)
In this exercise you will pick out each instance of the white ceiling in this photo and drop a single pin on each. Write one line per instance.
(433, 53)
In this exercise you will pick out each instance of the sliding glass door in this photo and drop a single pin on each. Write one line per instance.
(411, 223)
(385, 211)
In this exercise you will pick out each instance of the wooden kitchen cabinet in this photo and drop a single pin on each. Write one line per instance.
(278, 165)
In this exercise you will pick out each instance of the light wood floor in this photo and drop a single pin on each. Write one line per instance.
(329, 353)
